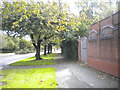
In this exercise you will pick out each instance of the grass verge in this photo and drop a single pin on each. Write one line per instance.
(48, 60)
(29, 78)
(4, 53)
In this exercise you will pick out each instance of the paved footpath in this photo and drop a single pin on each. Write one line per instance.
(70, 74)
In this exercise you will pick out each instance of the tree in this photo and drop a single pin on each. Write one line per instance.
(8, 44)
(99, 9)
(38, 20)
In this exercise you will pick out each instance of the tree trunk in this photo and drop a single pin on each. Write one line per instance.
(48, 49)
(45, 47)
(37, 46)
(61, 49)
(37, 55)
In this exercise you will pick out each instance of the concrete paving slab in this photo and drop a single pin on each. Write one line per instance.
(70, 74)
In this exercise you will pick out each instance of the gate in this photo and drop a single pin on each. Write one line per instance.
(84, 50)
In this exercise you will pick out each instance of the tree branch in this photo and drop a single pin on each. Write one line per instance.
(39, 40)
(48, 37)
(33, 41)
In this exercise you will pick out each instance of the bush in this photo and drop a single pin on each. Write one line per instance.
(15, 44)
(24, 51)
(69, 49)
(21, 52)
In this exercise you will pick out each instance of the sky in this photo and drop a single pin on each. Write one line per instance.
(72, 6)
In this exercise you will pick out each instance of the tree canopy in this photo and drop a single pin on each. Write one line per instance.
(50, 22)
(40, 21)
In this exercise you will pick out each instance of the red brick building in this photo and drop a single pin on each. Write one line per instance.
(103, 45)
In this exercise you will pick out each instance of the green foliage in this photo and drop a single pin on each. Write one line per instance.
(96, 10)
(23, 44)
(69, 49)
(13, 44)
(88, 14)
(48, 60)
(42, 20)
(25, 51)
(31, 18)
(38, 20)
(24, 47)
(91, 12)
(30, 78)
(8, 44)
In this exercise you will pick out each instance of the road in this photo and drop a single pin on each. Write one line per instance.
(10, 58)
(6, 59)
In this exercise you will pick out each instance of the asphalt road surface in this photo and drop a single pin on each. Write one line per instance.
(6, 59)
(10, 58)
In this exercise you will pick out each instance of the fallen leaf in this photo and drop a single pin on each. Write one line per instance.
(41, 80)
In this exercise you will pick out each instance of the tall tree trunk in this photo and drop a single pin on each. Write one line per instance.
(61, 49)
(38, 53)
(48, 49)
(37, 46)
(45, 47)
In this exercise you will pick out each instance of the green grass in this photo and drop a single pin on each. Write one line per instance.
(48, 60)
(29, 78)
(4, 53)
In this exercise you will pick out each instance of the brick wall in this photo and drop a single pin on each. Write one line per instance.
(103, 51)
(103, 45)
(79, 51)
